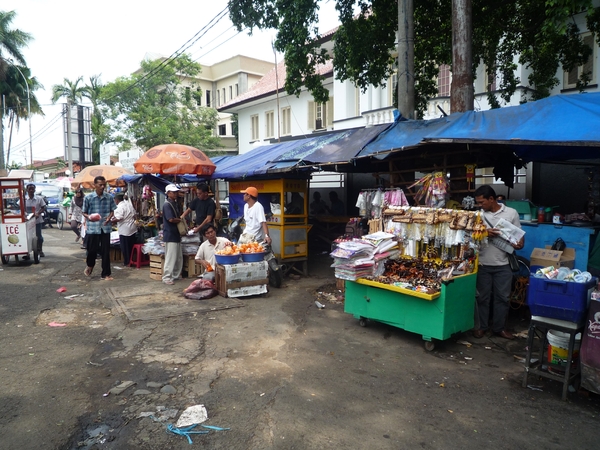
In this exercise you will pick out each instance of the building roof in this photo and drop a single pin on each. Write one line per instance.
(272, 82)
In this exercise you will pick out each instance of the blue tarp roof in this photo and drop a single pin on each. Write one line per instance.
(403, 134)
(560, 127)
(337, 147)
(555, 128)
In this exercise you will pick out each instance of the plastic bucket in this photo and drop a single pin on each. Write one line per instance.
(558, 349)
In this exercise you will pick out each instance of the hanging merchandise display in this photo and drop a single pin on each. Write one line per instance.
(434, 189)
(427, 283)
(470, 174)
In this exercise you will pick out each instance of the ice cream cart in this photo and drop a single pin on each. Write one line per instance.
(17, 226)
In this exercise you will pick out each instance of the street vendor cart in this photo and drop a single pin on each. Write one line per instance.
(433, 316)
(17, 226)
(430, 287)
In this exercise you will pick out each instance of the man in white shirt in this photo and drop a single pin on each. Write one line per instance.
(37, 203)
(206, 252)
(124, 217)
(494, 273)
(254, 216)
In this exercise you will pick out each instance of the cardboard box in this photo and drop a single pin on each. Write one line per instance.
(239, 280)
(545, 257)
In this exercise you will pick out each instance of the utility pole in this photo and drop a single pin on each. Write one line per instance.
(406, 59)
(69, 149)
(28, 113)
(461, 90)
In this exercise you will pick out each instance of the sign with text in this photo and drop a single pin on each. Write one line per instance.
(128, 158)
(105, 155)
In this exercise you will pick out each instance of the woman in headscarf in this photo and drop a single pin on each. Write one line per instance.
(76, 213)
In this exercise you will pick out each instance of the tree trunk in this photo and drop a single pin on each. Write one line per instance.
(461, 90)
(406, 59)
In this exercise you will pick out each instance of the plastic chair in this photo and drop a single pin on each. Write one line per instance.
(138, 258)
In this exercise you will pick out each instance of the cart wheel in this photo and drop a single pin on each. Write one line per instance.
(4, 259)
(59, 221)
(363, 322)
(429, 345)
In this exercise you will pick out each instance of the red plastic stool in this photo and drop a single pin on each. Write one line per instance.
(138, 258)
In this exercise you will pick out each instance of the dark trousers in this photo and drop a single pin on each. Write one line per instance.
(127, 243)
(40, 238)
(496, 279)
(99, 243)
(75, 228)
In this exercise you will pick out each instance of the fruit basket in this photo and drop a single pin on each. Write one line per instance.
(227, 259)
(253, 257)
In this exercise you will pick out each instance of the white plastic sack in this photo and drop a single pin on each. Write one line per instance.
(193, 414)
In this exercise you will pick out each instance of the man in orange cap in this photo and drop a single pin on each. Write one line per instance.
(254, 216)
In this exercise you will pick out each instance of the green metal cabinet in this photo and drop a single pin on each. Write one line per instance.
(437, 316)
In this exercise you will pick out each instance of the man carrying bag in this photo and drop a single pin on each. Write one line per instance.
(494, 271)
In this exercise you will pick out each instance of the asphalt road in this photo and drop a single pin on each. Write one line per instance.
(275, 370)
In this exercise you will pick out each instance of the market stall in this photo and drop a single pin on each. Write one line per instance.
(425, 282)
(285, 204)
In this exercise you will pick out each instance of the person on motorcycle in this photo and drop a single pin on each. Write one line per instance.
(254, 216)
(37, 203)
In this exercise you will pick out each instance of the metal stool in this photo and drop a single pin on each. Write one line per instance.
(138, 258)
(542, 325)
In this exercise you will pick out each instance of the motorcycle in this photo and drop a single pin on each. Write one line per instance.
(275, 270)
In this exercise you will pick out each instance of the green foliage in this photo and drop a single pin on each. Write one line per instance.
(12, 41)
(151, 107)
(541, 33)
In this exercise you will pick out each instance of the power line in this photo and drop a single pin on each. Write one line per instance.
(175, 54)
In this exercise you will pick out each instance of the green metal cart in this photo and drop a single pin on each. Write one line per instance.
(437, 316)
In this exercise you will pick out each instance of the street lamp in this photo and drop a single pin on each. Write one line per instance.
(28, 110)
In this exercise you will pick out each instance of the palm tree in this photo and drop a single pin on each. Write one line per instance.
(17, 85)
(11, 40)
(71, 90)
(92, 92)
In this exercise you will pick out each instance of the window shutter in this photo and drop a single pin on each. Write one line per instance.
(588, 67)
(329, 118)
(311, 116)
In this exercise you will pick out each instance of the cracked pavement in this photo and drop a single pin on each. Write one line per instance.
(280, 373)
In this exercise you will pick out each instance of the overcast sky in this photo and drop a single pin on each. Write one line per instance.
(75, 38)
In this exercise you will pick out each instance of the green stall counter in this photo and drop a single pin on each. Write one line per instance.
(436, 316)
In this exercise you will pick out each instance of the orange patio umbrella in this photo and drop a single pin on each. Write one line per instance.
(112, 174)
(175, 159)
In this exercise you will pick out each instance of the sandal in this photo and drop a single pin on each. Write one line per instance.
(108, 278)
(169, 282)
(88, 271)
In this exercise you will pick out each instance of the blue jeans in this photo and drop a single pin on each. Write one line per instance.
(496, 279)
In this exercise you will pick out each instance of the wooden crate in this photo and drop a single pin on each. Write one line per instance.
(116, 255)
(157, 263)
(340, 284)
(223, 285)
(190, 267)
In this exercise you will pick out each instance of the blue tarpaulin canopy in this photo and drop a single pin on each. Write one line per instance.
(560, 127)
(332, 148)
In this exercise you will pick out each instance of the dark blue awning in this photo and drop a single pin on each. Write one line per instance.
(332, 148)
